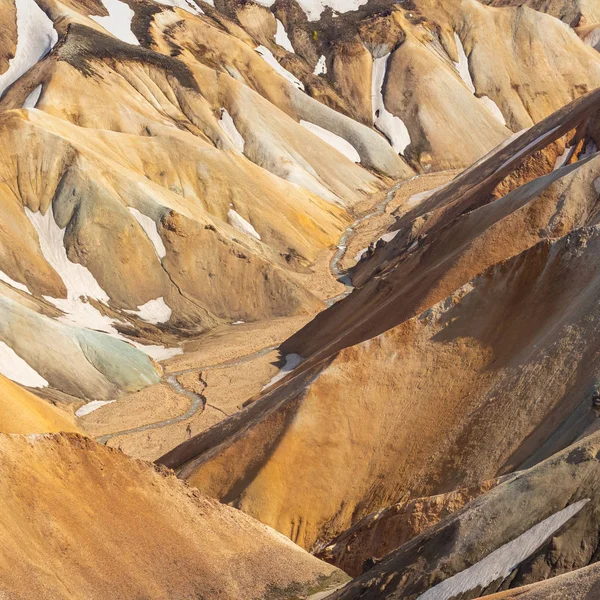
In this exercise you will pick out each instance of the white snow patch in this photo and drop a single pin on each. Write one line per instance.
(500, 563)
(321, 67)
(158, 353)
(33, 98)
(236, 220)
(338, 142)
(281, 37)
(562, 159)
(462, 66)
(227, 124)
(90, 407)
(493, 108)
(597, 185)
(360, 254)
(291, 362)
(391, 126)
(36, 36)
(238, 323)
(314, 8)
(19, 286)
(151, 229)
(388, 237)
(416, 199)
(118, 22)
(527, 148)
(17, 370)
(187, 5)
(593, 38)
(268, 57)
(154, 311)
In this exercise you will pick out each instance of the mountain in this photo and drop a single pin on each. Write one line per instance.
(98, 524)
(294, 277)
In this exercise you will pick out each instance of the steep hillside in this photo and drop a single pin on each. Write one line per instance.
(83, 521)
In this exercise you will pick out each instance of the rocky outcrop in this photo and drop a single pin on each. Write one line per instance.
(541, 523)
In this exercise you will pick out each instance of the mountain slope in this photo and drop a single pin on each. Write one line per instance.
(102, 525)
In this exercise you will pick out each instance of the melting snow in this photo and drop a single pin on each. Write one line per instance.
(281, 37)
(321, 67)
(314, 8)
(238, 323)
(500, 563)
(19, 286)
(17, 370)
(81, 284)
(227, 124)
(154, 311)
(268, 57)
(527, 148)
(33, 98)
(462, 66)
(493, 108)
(187, 5)
(237, 221)
(339, 143)
(151, 229)
(36, 36)
(118, 21)
(562, 159)
(291, 362)
(416, 199)
(391, 126)
(90, 407)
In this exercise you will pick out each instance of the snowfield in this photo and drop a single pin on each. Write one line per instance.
(499, 564)
(16, 369)
(337, 142)
(268, 57)
(236, 220)
(36, 36)
(151, 229)
(391, 126)
(227, 124)
(118, 22)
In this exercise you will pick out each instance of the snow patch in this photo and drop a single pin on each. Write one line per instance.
(291, 362)
(493, 108)
(416, 199)
(391, 126)
(321, 68)
(227, 124)
(281, 37)
(525, 150)
(17, 370)
(499, 564)
(590, 148)
(154, 311)
(597, 185)
(36, 36)
(157, 353)
(562, 159)
(462, 66)
(151, 229)
(339, 143)
(314, 8)
(238, 323)
(90, 407)
(268, 57)
(19, 286)
(236, 220)
(33, 98)
(118, 22)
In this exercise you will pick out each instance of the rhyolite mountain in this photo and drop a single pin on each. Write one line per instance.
(299, 299)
